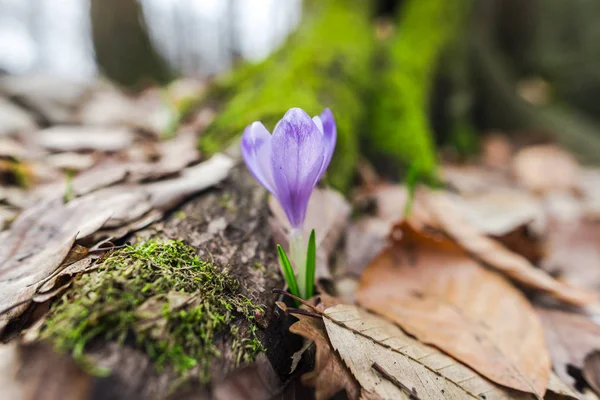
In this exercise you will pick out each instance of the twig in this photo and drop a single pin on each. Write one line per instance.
(412, 394)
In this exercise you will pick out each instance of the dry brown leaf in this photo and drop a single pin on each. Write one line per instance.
(496, 151)
(591, 370)
(472, 180)
(51, 97)
(75, 138)
(365, 238)
(37, 372)
(531, 168)
(500, 212)
(514, 218)
(109, 107)
(9, 147)
(433, 290)
(175, 155)
(14, 119)
(42, 297)
(573, 252)
(589, 186)
(256, 382)
(36, 245)
(101, 175)
(19, 281)
(330, 375)
(559, 390)
(70, 161)
(497, 256)
(571, 337)
(71, 270)
(297, 356)
(363, 339)
(166, 194)
(327, 214)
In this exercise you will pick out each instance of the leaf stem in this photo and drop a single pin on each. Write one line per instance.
(298, 256)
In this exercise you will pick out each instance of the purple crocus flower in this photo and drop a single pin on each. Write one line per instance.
(290, 162)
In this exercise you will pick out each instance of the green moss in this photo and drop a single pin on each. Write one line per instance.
(160, 298)
(400, 121)
(180, 215)
(14, 172)
(324, 64)
(226, 203)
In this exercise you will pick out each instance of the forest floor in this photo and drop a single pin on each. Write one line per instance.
(131, 267)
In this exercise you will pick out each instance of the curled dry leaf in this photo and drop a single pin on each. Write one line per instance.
(497, 256)
(327, 214)
(419, 371)
(500, 212)
(36, 245)
(531, 166)
(514, 218)
(330, 375)
(297, 356)
(71, 270)
(436, 292)
(571, 337)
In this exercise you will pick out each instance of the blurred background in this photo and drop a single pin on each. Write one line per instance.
(194, 37)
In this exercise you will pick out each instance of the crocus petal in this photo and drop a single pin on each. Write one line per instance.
(256, 150)
(330, 134)
(296, 160)
(318, 123)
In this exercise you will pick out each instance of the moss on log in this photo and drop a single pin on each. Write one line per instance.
(325, 64)
(400, 126)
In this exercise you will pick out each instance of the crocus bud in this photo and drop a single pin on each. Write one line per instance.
(290, 162)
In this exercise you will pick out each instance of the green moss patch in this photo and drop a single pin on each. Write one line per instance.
(162, 299)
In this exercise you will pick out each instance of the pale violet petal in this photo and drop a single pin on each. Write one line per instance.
(256, 151)
(318, 123)
(296, 160)
(330, 133)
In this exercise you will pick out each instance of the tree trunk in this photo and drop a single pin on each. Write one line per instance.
(123, 48)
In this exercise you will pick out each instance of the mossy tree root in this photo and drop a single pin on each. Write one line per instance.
(400, 127)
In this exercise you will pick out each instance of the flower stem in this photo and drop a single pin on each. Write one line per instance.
(298, 256)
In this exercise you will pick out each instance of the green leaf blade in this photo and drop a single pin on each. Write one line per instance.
(311, 265)
(288, 272)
